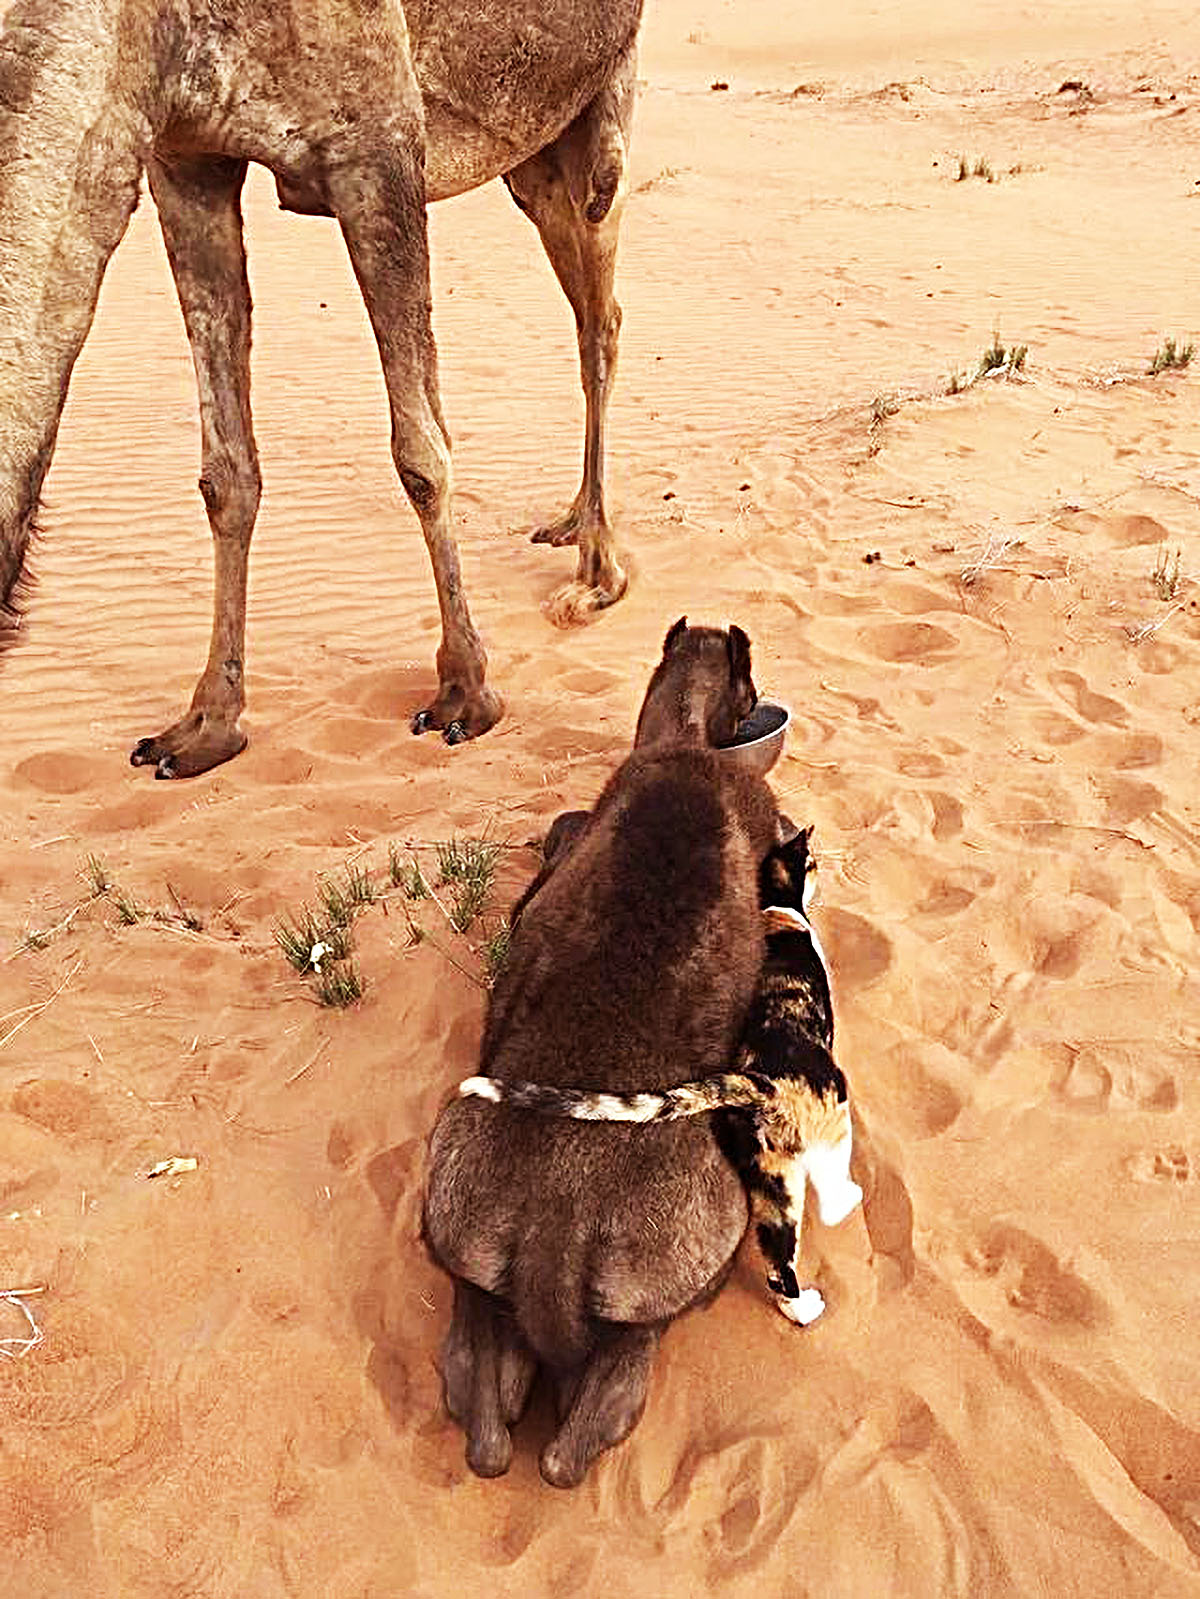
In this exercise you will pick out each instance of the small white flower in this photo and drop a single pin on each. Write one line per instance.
(317, 954)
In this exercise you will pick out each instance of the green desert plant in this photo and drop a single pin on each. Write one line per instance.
(336, 903)
(1171, 357)
(360, 887)
(406, 876)
(1165, 575)
(339, 985)
(128, 910)
(306, 942)
(467, 866)
(494, 950)
(97, 876)
(396, 866)
(981, 168)
(996, 358)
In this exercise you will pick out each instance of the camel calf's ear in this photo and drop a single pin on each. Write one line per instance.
(739, 655)
(673, 635)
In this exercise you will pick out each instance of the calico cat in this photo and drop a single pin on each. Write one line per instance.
(783, 1115)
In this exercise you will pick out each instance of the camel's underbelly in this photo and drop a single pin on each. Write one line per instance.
(495, 97)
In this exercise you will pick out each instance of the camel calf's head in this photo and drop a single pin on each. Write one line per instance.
(700, 690)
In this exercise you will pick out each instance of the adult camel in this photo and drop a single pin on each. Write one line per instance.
(363, 110)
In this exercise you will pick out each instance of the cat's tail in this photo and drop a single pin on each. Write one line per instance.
(726, 1091)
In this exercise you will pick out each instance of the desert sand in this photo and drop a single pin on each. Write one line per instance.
(995, 735)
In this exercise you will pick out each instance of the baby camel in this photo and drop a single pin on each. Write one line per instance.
(633, 963)
(363, 113)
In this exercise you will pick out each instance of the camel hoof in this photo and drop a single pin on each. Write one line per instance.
(460, 714)
(576, 603)
(189, 748)
(558, 534)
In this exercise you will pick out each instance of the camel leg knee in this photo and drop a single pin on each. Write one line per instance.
(606, 1406)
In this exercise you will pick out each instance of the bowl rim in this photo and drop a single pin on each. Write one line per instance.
(763, 702)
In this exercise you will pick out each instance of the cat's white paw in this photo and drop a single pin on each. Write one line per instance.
(804, 1308)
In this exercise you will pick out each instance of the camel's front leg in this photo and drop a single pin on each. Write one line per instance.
(574, 190)
(605, 1404)
(378, 197)
(199, 207)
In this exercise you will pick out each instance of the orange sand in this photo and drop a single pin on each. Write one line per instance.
(237, 1394)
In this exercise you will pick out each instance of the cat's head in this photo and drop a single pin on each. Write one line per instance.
(788, 875)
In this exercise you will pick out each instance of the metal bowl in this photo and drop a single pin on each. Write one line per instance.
(758, 742)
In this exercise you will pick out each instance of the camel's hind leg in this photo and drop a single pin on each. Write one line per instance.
(378, 197)
(607, 1403)
(574, 190)
(199, 207)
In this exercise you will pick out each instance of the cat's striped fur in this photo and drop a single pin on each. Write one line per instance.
(784, 1114)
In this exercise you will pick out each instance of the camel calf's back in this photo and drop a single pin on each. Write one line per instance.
(634, 967)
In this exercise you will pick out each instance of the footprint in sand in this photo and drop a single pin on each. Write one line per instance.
(908, 643)
(1126, 752)
(1120, 528)
(392, 1173)
(920, 763)
(752, 1484)
(1033, 1279)
(62, 772)
(945, 898)
(858, 951)
(1056, 730)
(899, 1427)
(1170, 1165)
(68, 1109)
(388, 696)
(1091, 706)
(1128, 800)
(582, 681)
(78, 1374)
(928, 1104)
(947, 815)
(761, 1494)
(1098, 1077)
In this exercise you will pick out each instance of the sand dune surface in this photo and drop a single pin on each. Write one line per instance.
(996, 715)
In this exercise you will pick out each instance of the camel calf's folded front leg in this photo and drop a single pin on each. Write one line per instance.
(199, 208)
(378, 197)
